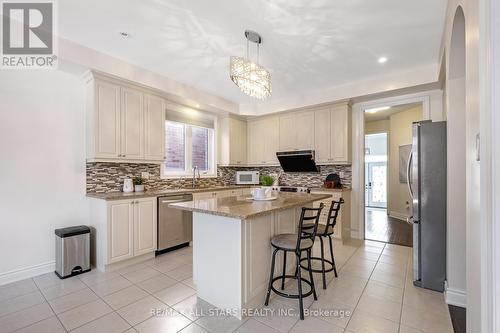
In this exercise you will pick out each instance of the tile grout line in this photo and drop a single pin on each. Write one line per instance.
(55, 314)
(404, 292)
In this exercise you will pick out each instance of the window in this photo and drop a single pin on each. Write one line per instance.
(187, 146)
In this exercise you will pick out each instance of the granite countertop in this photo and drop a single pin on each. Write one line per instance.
(243, 207)
(159, 193)
(324, 189)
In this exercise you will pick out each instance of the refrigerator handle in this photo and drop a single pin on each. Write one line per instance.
(408, 169)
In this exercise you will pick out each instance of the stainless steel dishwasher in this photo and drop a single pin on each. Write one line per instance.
(174, 225)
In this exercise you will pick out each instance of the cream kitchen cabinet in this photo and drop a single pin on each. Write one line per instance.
(332, 133)
(123, 230)
(263, 141)
(296, 131)
(342, 228)
(124, 122)
(232, 141)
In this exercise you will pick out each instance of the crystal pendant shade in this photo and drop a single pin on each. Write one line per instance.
(253, 79)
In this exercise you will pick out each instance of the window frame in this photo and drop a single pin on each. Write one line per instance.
(188, 154)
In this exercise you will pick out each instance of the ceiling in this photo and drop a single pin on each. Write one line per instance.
(385, 114)
(307, 45)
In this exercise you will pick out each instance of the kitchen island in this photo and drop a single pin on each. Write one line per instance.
(231, 245)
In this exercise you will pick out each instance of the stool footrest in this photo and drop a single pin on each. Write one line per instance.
(281, 293)
(329, 269)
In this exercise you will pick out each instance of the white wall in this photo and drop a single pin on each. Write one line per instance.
(400, 133)
(42, 146)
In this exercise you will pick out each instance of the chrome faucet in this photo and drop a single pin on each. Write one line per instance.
(195, 169)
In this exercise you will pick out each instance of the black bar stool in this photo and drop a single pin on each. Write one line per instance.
(297, 243)
(324, 230)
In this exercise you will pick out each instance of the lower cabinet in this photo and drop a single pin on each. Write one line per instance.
(342, 229)
(131, 228)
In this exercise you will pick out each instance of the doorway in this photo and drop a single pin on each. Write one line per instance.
(376, 170)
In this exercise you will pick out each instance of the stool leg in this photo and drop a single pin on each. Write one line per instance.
(271, 275)
(299, 286)
(323, 262)
(333, 259)
(284, 271)
(311, 274)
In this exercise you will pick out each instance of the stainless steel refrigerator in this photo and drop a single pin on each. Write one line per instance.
(427, 186)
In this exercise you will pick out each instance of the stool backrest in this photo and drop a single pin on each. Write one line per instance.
(308, 214)
(332, 215)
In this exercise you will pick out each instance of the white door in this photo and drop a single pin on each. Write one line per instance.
(107, 122)
(121, 230)
(322, 141)
(339, 133)
(304, 130)
(376, 184)
(132, 115)
(154, 128)
(144, 226)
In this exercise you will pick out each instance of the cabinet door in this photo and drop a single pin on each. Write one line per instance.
(107, 120)
(304, 131)
(132, 114)
(237, 142)
(287, 132)
(120, 231)
(322, 141)
(270, 135)
(339, 134)
(254, 142)
(154, 118)
(144, 226)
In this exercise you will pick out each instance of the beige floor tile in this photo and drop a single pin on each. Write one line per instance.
(25, 317)
(363, 271)
(394, 280)
(426, 320)
(65, 287)
(381, 307)
(141, 274)
(181, 273)
(276, 316)
(70, 301)
(252, 325)
(110, 286)
(407, 329)
(20, 302)
(363, 322)
(315, 325)
(84, 314)
(111, 323)
(174, 294)
(49, 325)
(193, 328)
(163, 324)
(194, 307)
(393, 260)
(426, 300)
(96, 276)
(49, 279)
(331, 311)
(130, 268)
(18, 288)
(391, 269)
(375, 288)
(168, 265)
(189, 282)
(141, 310)
(157, 283)
(220, 323)
(125, 297)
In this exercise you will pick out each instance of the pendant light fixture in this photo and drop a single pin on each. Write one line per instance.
(252, 79)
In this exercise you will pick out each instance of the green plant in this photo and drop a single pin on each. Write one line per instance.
(266, 180)
(138, 180)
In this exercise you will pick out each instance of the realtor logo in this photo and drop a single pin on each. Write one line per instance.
(28, 34)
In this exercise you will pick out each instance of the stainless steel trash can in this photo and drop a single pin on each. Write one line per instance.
(72, 251)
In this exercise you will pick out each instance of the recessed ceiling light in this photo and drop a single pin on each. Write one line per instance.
(375, 110)
(197, 105)
(124, 34)
(382, 60)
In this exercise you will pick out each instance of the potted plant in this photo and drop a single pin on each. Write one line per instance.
(138, 184)
(266, 180)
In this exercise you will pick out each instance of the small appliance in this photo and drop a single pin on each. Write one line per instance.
(128, 185)
(261, 192)
(297, 189)
(247, 177)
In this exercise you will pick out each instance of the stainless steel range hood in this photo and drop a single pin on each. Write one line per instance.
(297, 161)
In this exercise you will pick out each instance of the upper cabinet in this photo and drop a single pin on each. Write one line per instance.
(296, 131)
(332, 132)
(263, 141)
(123, 122)
(232, 141)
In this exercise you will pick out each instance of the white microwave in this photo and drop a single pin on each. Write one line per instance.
(247, 177)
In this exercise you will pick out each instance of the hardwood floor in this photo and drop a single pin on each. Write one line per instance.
(380, 227)
(458, 315)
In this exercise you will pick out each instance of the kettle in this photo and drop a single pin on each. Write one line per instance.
(128, 185)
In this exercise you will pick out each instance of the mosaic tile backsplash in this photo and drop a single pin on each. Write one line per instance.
(103, 177)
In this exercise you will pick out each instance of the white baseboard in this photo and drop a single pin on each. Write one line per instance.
(455, 297)
(26, 272)
(398, 216)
